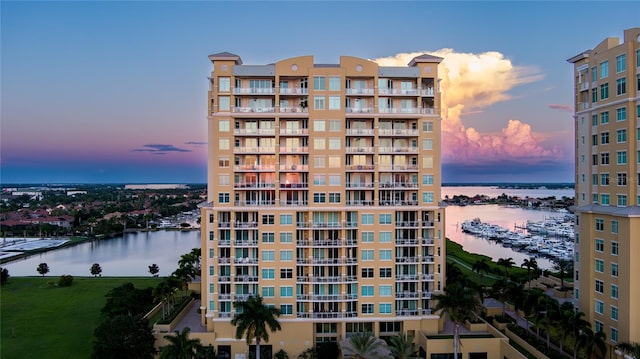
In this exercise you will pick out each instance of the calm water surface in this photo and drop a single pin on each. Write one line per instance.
(133, 253)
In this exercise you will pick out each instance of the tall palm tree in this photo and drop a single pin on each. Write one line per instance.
(255, 319)
(564, 322)
(402, 347)
(629, 348)
(161, 294)
(593, 343)
(460, 304)
(530, 264)
(181, 347)
(364, 346)
(578, 324)
(561, 265)
(481, 267)
(506, 263)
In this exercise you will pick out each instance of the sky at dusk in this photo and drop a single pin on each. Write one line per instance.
(115, 92)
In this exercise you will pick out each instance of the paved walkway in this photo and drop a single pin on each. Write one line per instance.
(191, 320)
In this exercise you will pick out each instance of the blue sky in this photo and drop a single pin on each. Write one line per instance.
(101, 92)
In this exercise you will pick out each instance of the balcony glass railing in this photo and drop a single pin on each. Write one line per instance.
(294, 91)
(254, 131)
(254, 109)
(295, 109)
(253, 91)
(363, 91)
(360, 132)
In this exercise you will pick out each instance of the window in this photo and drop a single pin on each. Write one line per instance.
(614, 291)
(286, 309)
(334, 144)
(621, 86)
(223, 180)
(604, 118)
(427, 179)
(286, 256)
(427, 197)
(268, 292)
(385, 308)
(622, 136)
(604, 158)
(319, 144)
(224, 84)
(427, 144)
(367, 308)
(319, 83)
(614, 248)
(223, 125)
(319, 125)
(614, 313)
(614, 226)
(223, 162)
(604, 199)
(594, 95)
(268, 273)
(385, 237)
(318, 102)
(210, 235)
(385, 218)
(367, 272)
(622, 157)
(614, 335)
(427, 126)
(223, 144)
(427, 162)
(268, 219)
(604, 69)
(385, 254)
(599, 265)
(385, 272)
(599, 245)
(604, 179)
(286, 273)
(622, 179)
(223, 197)
(621, 114)
(604, 138)
(604, 91)
(594, 74)
(268, 256)
(319, 180)
(599, 286)
(367, 290)
(614, 269)
(334, 102)
(367, 219)
(268, 237)
(385, 290)
(594, 121)
(319, 197)
(367, 237)
(224, 103)
(335, 180)
(599, 308)
(598, 326)
(621, 63)
(594, 140)
(334, 83)
(594, 198)
(286, 219)
(286, 237)
(334, 197)
(367, 254)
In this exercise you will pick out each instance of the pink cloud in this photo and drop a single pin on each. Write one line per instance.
(469, 83)
(561, 107)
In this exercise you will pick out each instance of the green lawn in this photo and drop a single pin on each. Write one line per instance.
(41, 320)
(455, 250)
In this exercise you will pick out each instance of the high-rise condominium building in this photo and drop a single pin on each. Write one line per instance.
(607, 135)
(323, 190)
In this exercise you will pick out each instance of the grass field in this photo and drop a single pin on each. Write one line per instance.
(41, 320)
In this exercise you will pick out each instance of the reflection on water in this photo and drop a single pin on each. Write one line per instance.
(507, 217)
(129, 255)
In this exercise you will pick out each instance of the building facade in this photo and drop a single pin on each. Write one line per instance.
(323, 190)
(607, 135)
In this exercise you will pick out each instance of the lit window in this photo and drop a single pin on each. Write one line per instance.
(334, 102)
(223, 125)
(319, 125)
(223, 144)
(319, 143)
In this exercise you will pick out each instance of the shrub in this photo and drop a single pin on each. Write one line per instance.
(65, 280)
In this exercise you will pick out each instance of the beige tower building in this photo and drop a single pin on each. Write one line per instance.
(607, 135)
(323, 190)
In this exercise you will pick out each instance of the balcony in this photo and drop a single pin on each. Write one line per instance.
(363, 91)
(246, 261)
(224, 260)
(326, 297)
(294, 168)
(407, 241)
(254, 132)
(359, 185)
(583, 105)
(294, 203)
(584, 86)
(294, 109)
(253, 185)
(398, 92)
(294, 185)
(397, 203)
(407, 277)
(239, 224)
(362, 110)
(224, 315)
(360, 132)
(253, 91)
(245, 278)
(224, 243)
(408, 224)
(393, 185)
(428, 92)
(366, 167)
(224, 296)
(360, 149)
(245, 242)
(253, 168)
(293, 91)
(407, 259)
(224, 224)
(329, 225)
(294, 132)
(407, 295)
(254, 109)
(327, 243)
(398, 167)
(255, 203)
(295, 150)
(242, 297)
(427, 259)
(426, 295)
(398, 132)
(408, 312)
(327, 315)
(427, 277)
(249, 150)
(326, 261)
(224, 278)
(331, 279)
(360, 203)
(398, 149)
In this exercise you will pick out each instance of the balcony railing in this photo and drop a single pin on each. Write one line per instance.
(393, 185)
(254, 150)
(408, 312)
(429, 91)
(407, 241)
(254, 131)
(364, 91)
(329, 225)
(326, 297)
(359, 109)
(323, 261)
(398, 149)
(400, 110)
(360, 203)
(327, 243)
(247, 167)
(294, 185)
(398, 203)
(245, 278)
(398, 167)
(300, 149)
(294, 132)
(245, 242)
(360, 132)
(253, 91)
(245, 260)
(241, 185)
(296, 167)
(331, 279)
(398, 132)
(408, 223)
(294, 109)
(584, 86)
(359, 184)
(407, 259)
(405, 277)
(361, 167)
(254, 109)
(294, 203)
(327, 315)
(294, 91)
(249, 224)
(407, 294)
(360, 149)
(255, 203)
(405, 92)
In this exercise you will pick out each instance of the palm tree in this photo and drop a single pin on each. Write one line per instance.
(530, 264)
(364, 346)
(629, 348)
(281, 354)
(255, 319)
(506, 263)
(561, 265)
(181, 347)
(402, 347)
(460, 304)
(565, 322)
(593, 343)
(578, 324)
(481, 267)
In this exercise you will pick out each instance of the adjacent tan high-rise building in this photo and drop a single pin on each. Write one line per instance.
(607, 135)
(323, 190)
